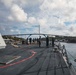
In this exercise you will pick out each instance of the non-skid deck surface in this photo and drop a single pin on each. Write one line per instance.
(8, 59)
(44, 62)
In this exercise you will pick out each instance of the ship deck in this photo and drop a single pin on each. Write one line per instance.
(32, 61)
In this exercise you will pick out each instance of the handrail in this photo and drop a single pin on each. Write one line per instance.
(65, 54)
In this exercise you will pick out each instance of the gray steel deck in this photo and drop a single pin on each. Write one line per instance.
(44, 62)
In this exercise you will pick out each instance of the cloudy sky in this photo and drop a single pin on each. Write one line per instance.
(25, 16)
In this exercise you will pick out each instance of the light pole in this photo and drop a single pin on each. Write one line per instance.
(39, 30)
(39, 37)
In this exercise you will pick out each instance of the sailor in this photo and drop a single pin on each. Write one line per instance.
(52, 42)
(30, 40)
(70, 64)
(27, 41)
(39, 41)
(33, 40)
(47, 41)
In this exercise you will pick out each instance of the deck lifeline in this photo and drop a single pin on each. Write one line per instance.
(45, 62)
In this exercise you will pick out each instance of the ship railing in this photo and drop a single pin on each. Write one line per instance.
(65, 54)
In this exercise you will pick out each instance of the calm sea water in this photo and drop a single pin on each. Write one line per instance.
(71, 49)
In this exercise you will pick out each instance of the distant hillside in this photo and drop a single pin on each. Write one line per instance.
(71, 40)
(13, 38)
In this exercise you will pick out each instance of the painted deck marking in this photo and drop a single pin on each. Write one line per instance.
(19, 61)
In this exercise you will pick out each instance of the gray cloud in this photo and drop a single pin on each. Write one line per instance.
(51, 15)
